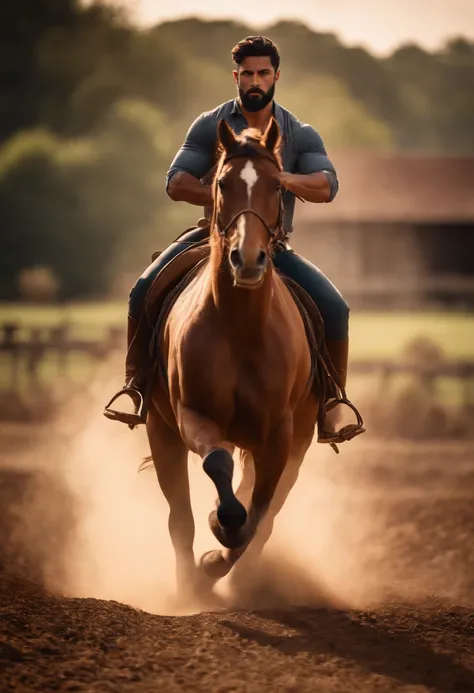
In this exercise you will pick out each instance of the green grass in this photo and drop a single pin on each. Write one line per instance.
(373, 334)
(87, 320)
(384, 335)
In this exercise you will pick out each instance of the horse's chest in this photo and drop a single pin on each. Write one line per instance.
(252, 409)
(245, 390)
(236, 386)
(238, 393)
(257, 400)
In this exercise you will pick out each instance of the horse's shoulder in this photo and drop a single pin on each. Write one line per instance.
(195, 312)
(287, 315)
(282, 295)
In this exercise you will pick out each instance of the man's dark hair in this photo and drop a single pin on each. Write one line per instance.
(256, 46)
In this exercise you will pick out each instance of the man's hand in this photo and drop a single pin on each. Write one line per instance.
(209, 177)
(286, 179)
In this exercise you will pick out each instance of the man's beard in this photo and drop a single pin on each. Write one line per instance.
(252, 104)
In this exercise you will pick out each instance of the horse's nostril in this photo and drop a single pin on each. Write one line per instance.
(236, 258)
(261, 259)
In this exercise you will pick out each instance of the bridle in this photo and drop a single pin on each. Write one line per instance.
(275, 232)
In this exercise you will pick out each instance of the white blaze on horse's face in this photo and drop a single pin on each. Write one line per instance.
(240, 231)
(247, 254)
(250, 176)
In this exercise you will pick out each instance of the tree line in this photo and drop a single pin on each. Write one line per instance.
(93, 108)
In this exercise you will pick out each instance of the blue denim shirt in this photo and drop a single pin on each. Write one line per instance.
(303, 149)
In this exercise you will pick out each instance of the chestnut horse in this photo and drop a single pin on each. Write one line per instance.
(238, 367)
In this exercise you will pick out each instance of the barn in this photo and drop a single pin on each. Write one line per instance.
(399, 234)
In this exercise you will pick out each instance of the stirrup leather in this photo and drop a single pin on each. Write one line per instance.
(132, 419)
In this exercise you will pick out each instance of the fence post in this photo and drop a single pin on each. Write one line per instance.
(11, 346)
(35, 353)
(58, 337)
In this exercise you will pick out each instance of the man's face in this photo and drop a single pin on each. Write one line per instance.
(256, 79)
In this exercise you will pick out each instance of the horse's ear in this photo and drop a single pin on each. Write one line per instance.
(226, 135)
(271, 137)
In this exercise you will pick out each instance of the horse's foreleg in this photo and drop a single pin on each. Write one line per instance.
(215, 561)
(288, 480)
(269, 463)
(229, 522)
(216, 564)
(245, 488)
(170, 457)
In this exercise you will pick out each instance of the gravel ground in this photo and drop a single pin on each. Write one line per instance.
(415, 642)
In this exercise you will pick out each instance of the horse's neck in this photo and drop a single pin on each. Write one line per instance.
(244, 312)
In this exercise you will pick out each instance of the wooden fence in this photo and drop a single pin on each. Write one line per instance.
(25, 352)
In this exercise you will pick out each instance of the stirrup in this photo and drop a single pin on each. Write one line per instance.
(132, 419)
(347, 432)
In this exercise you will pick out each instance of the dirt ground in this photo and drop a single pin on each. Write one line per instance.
(394, 612)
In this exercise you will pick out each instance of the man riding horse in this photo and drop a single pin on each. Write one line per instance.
(307, 173)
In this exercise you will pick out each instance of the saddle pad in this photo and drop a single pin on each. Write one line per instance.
(170, 276)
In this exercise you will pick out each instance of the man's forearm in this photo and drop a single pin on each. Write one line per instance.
(312, 187)
(183, 187)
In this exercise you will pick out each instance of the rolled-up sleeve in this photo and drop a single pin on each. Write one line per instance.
(312, 156)
(196, 155)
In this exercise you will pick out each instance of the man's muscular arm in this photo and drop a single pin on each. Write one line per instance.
(192, 162)
(312, 187)
(316, 178)
(184, 187)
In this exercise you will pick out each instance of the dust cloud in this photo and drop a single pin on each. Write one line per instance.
(328, 548)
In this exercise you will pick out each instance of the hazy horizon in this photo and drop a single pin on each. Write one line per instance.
(378, 25)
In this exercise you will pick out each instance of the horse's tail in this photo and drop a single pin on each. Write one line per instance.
(146, 464)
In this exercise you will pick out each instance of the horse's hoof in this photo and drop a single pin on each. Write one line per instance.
(214, 565)
(232, 515)
(229, 538)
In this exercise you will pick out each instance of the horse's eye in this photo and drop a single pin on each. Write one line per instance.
(278, 187)
(221, 184)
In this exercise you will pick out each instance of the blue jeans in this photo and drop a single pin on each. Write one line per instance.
(332, 306)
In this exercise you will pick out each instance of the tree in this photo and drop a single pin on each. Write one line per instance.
(74, 206)
(92, 110)
(23, 23)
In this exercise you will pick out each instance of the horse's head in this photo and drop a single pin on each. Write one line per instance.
(248, 208)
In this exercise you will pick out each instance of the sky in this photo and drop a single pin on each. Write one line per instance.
(379, 25)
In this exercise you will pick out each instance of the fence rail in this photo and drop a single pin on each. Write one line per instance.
(28, 349)
(444, 369)
(58, 339)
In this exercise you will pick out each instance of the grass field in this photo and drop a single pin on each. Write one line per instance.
(87, 320)
(373, 334)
